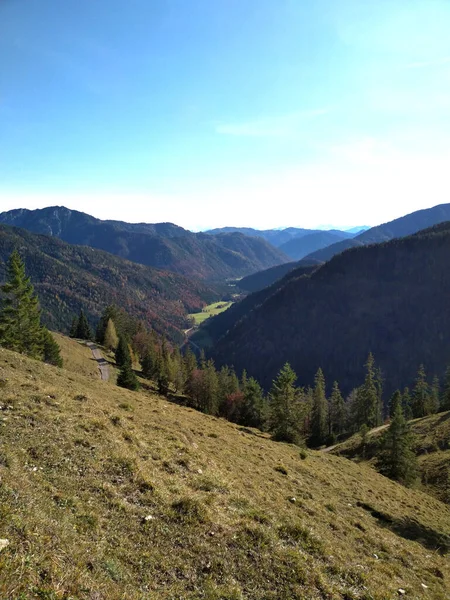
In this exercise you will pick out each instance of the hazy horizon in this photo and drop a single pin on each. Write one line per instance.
(202, 113)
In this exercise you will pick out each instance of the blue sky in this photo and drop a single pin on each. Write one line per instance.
(262, 113)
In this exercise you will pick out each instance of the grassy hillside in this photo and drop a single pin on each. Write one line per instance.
(161, 245)
(68, 278)
(431, 444)
(109, 494)
(390, 299)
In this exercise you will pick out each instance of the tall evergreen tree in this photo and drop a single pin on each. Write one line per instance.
(337, 411)
(406, 404)
(83, 329)
(396, 398)
(20, 318)
(253, 411)
(74, 328)
(51, 349)
(434, 398)
(284, 407)
(397, 459)
(319, 417)
(122, 352)
(127, 378)
(421, 393)
(369, 397)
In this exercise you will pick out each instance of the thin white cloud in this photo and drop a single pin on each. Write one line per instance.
(280, 126)
(422, 64)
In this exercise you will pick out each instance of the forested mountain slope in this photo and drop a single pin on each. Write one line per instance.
(107, 493)
(161, 245)
(407, 225)
(390, 299)
(68, 278)
(297, 248)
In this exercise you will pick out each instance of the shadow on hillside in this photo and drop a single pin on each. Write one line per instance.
(410, 529)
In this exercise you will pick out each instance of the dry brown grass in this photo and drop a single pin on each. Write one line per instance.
(431, 445)
(83, 463)
(77, 357)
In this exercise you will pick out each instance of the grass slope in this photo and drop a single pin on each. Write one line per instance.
(109, 494)
(432, 446)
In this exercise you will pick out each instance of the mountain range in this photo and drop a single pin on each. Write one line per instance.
(162, 245)
(68, 278)
(390, 299)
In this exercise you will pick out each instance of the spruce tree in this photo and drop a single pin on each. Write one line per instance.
(111, 339)
(253, 407)
(127, 378)
(434, 398)
(284, 422)
(20, 318)
(397, 459)
(406, 404)
(421, 393)
(396, 398)
(148, 363)
(319, 417)
(337, 411)
(52, 353)
(369, 397)
(122, 354)
(74, 328)
(83, 329)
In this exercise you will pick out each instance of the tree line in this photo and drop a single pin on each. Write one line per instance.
(293, 414)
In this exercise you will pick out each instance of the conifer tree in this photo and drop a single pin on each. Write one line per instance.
(122, 354)
(284, 422)
(397, 459)
(337, 411)
(74, 328)
(127, 378)
(445, 399)
(434, 398)
(253, 411)
(83, 329)
(319, 417)
(368, 405)
(421, 393)
(20, 318)
(111, 340)
(406, 404)
(51, 350)
(148, 362)
(396, 398)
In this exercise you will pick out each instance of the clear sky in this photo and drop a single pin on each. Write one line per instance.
(263, 113)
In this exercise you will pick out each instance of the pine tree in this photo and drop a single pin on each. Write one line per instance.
(445, 399)
(406, 404)
(397, 459)
(83, 329)
(421, 393)
(368, 405)
(337, 411)
(434, 398)
(74, 328)
(148, 363)
(20, 318)
(253, 411)
(111, 340)
(284, 422)
(319, 417)
(122, 354)
(127, 378)
(52, 353)
(396, 398)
